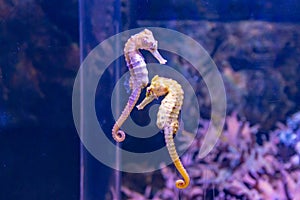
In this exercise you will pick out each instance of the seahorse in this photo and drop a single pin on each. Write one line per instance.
(167, 117)
(138, 73)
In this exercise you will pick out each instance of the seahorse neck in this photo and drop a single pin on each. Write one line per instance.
(133, 44)
(131, 52)
(171, 89)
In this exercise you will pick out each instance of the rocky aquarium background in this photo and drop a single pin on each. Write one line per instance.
(39, 57)
(258, 154)
(256, 46)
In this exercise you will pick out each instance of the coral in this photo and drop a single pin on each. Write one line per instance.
(237, 168)
(289, 134)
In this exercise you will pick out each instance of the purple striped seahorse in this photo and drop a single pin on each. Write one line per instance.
(167, 117)
(138, 73)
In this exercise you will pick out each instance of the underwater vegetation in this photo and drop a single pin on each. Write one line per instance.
(237, 168)
(289, 134)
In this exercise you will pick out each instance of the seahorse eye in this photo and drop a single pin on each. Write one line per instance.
(149, 92)
(145, 42)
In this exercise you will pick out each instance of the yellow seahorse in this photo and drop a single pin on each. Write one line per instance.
(138, 73)
(167, 117)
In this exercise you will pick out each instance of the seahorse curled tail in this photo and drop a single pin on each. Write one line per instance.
(117, 134)
(181, 184)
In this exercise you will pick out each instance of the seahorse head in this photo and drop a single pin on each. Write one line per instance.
(150, 44)
(147, 41)
(155, 90)
(157, 87)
